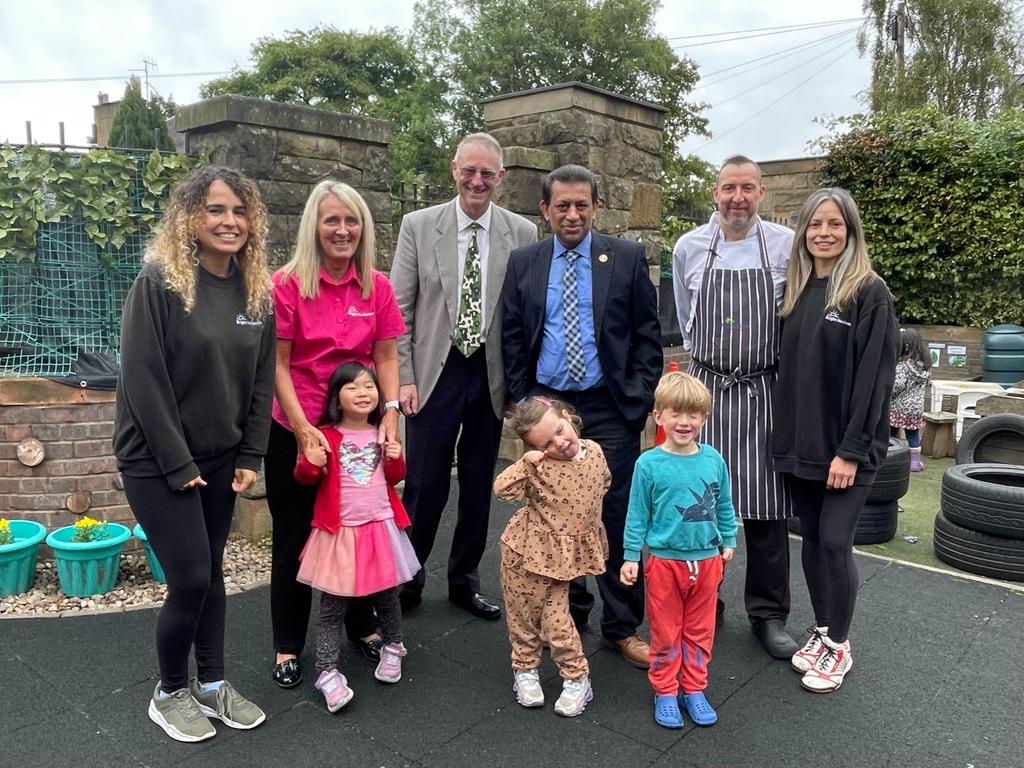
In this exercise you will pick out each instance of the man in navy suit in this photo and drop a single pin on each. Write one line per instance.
(600, 352)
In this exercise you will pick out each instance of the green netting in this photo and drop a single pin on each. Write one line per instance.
(68, 300)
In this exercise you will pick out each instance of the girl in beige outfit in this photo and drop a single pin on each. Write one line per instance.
(556, 537)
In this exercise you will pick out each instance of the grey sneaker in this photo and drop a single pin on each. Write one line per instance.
(527, 688)
(228, 706)
(575, 696)
(178, 714)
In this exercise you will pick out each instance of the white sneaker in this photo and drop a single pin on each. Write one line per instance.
(574, 698)
(830, 670)
(527, 688)
(807, 656)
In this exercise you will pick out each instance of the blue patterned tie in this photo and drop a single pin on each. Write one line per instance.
(571, 312)
(467, 327)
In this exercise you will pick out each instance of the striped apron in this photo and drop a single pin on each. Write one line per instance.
(735, 346)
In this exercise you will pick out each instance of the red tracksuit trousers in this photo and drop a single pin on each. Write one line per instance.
(681, 598)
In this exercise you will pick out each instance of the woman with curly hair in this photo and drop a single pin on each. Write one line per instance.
(332, 307)
(191, 424)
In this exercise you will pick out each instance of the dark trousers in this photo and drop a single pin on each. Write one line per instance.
(291, 508)
(766, 589)
(457, 420)
(604, 424)
(188, 531)
(828, 521)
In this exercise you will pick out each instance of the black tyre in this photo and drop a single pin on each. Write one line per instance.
(893, 478)
(996, 439)
(988, 498)
(876, 524)
(978, 552)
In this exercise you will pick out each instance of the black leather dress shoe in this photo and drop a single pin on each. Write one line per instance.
(775, 639)
(287, 673)
(476, 604)
(408, 599)
(369, 648)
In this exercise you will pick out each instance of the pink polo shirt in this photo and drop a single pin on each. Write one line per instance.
(338, 326)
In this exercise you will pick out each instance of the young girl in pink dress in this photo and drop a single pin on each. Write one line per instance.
(358, 546)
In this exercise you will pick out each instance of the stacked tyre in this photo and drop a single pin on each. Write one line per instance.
(980, 524)
(877, 521)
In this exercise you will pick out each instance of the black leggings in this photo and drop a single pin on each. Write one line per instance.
(828, 521)
(291, 508)
(188, 530)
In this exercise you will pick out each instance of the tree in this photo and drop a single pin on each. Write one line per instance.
(961, 56)
(375, 75)
(484, 48)
(139, 124)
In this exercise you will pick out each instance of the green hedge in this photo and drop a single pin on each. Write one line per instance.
(943, 206)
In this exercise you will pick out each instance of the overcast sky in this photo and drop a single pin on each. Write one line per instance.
(765, 109)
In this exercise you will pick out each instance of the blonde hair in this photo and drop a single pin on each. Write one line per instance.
(527, 415)
(175, 246)
(306, 259)
(853, 268)
(682, 392)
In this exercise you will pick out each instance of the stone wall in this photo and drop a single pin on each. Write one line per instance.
(789, 183)
(287, 149)
(617, 138)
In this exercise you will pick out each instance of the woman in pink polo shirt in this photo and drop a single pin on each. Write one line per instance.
(331, 307)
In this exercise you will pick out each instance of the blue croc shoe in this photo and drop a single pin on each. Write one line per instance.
(698, 709)
(666, 712)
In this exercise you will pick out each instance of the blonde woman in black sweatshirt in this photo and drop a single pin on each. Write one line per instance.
(831, 408)
(191, 425)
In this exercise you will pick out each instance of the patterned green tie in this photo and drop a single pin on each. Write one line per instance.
(467, 328)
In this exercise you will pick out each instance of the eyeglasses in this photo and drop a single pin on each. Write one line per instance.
(468, 172)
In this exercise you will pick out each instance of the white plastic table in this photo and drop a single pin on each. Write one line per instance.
(942, 387)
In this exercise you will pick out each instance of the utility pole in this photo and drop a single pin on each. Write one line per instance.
(899, 35)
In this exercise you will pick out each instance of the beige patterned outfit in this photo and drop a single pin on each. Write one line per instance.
(556, 537)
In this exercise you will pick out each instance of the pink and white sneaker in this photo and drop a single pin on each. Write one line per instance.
(389, 670)
(806, 657)
(333, 685)
(830, 669)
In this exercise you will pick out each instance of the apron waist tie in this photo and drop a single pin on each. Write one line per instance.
(737, 377)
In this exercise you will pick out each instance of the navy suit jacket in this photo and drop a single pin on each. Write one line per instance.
(626, 325)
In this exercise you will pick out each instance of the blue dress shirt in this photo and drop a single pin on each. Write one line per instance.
(552, 370)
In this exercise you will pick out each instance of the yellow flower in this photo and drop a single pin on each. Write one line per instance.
(6, 537)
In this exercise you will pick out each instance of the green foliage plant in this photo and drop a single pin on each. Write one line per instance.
(943, 201)
(105, 187)
(141, 124)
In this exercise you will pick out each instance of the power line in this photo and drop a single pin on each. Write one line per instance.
(108, 77)
(751, 37)
(777, 55)
(810, 25)
(776, 101)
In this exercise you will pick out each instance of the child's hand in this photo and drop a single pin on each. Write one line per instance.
(628, 573)
(727, 554)
(533, 458)
(392, 450)
(315, 455)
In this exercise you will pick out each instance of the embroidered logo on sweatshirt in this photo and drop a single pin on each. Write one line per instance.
(241, 319)
(833, 317)
(706, 506)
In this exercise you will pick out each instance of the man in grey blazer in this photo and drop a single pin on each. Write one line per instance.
(448, 272)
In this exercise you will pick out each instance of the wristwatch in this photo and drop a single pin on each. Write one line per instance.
(392, 404)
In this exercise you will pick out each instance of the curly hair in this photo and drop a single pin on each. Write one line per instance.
(527, 415)
(175, 247)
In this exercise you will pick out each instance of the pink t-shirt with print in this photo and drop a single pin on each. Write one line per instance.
(364, 491)
(338, 326)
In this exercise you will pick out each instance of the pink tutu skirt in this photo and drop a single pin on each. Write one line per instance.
(358, 560)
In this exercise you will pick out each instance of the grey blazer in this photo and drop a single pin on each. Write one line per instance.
(425, 276)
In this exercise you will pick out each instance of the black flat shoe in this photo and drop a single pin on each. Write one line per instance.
(288, 673)
(369, 648)
(476, 604)
(775, 639)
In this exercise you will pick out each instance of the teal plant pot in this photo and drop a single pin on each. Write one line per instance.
(154, 565)
(18, 560)
(89, 567)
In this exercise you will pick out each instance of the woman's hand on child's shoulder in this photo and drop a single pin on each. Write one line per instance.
(727, 553)
(315, 455)
(392, 449)
(533, 458)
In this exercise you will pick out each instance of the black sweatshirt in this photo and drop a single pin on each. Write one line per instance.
(835, 380)
(195, 389)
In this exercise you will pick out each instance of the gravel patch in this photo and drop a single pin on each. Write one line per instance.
(246, 565)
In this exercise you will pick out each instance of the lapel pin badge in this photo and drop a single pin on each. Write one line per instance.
(603, 258)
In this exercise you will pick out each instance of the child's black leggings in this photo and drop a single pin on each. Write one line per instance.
(188, 531)
(828, 521)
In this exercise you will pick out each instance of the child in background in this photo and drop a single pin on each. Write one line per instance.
(906, 412)
(556, 537)
(356, 547)
(680, 506)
